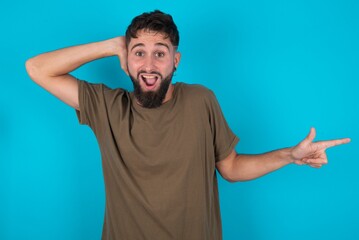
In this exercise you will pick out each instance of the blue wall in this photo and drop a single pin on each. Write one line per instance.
(277, 67)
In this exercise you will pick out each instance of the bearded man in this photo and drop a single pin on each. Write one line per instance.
(162, 143)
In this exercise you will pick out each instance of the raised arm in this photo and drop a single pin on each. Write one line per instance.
(243, 167)
(51, 70)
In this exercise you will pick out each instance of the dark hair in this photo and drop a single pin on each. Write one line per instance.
(156, 21)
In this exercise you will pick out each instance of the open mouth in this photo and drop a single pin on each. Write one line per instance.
(149, 80)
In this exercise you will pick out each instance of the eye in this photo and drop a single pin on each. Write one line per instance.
(159, 54)
(139, 54)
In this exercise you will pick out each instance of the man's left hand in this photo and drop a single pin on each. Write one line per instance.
(313, 153)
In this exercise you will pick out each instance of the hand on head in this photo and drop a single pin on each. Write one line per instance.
(121, 52)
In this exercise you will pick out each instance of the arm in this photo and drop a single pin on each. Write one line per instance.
(51, 70)
(242, 167)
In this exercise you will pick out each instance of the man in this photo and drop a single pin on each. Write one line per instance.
(161, 143)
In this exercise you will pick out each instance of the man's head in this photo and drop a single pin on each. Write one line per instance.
(152, 40)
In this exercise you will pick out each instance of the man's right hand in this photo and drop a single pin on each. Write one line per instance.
(122, 53)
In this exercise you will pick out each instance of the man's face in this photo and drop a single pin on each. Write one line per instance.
(152, 59)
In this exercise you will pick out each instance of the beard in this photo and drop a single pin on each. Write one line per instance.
(151, 99)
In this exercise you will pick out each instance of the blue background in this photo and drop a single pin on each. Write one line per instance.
(277, 67)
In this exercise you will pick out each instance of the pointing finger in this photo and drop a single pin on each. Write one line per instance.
(332, 143)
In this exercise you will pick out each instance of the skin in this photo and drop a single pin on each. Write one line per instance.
(150, 52)
(243, 167)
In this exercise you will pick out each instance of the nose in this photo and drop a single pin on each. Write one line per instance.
(149, 64)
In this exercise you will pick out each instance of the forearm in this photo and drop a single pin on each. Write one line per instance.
(247, 167)
(65, 60)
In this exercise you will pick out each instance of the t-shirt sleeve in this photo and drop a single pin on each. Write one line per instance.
(91, 103)
(224, 139)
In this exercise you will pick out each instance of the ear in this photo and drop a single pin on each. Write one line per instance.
(177, 58)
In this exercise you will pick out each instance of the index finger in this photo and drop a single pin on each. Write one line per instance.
(332, 143)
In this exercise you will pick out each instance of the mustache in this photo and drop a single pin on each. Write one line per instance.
(152, 72)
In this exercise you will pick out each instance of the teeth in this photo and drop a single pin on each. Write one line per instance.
(149, 76)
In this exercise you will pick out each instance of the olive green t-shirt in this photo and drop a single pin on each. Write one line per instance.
(158, 164)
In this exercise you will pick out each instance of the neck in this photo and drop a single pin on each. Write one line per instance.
(169, 93)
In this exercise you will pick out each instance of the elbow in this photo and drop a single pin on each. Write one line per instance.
(35, 70)
(230, 180)
(233, 178)
(31, 68)
(236, 179)
(232, 170)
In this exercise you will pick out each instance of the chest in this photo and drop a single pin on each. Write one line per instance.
(165, 142)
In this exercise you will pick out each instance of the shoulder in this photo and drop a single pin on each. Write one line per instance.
(200, 97)
(196, 90)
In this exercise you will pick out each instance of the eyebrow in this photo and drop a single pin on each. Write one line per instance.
(156, 44)
(163, 44)
(138, 45)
